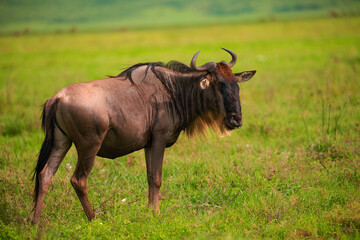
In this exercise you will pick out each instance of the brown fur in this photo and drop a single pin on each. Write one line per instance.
(224, 70)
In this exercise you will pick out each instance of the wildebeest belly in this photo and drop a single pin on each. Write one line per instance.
(117, 144)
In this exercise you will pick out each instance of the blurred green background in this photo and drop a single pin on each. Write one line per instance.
(17, 16)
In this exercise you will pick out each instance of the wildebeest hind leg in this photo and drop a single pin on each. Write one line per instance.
(86, 157)
(61, 146)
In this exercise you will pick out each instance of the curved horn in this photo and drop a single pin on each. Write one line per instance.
(206, 67)
(233, 55)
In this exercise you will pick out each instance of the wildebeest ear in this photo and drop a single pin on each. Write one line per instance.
(244, 76)
(204, 83)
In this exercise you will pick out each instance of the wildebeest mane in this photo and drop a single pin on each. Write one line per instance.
(186, 95)
(172, 65)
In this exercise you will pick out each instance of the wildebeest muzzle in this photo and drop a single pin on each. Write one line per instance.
(233, 121)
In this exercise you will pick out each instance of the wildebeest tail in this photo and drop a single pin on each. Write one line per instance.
(48, 125)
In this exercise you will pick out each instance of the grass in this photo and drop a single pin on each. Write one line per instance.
(292, 170)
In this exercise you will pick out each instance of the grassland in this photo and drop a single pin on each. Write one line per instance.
(37, 16)
(292, 170)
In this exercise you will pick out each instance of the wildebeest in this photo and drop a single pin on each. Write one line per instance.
(146, 106)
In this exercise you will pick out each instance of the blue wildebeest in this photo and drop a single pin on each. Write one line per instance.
(146, 106)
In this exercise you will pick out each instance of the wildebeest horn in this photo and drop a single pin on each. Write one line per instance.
(233, 55)
(210, 66)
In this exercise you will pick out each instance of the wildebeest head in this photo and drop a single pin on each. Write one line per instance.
(221, 78)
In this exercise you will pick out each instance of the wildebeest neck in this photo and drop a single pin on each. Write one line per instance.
(196, 108)
(191, 107)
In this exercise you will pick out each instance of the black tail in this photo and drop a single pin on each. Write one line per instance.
(48, 124)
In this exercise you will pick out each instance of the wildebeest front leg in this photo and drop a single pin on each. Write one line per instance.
(154, 158)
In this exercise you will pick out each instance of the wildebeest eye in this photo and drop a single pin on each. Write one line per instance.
(204, 83)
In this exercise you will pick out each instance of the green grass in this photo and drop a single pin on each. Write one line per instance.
(292, 170)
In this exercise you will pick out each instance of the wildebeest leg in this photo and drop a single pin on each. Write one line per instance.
(61, 146)
(154, 158)
(86, 157)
